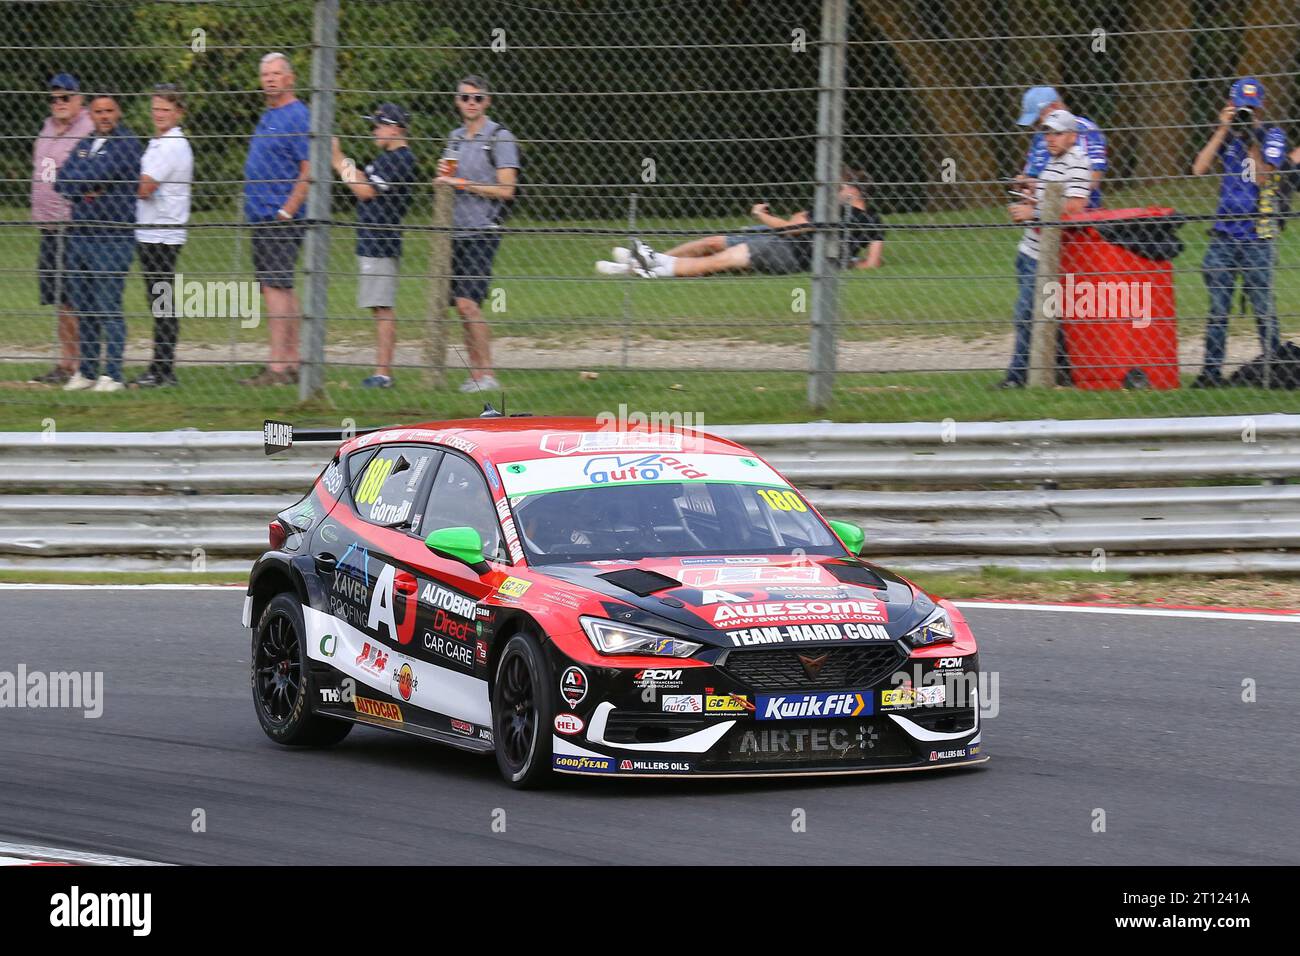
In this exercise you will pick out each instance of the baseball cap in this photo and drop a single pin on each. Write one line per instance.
(1062, 121)
(65, 81)
(1032, 103)
(1247, 91)
(389, 113)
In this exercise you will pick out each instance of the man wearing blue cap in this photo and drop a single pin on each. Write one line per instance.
(1241, 239)
(1037, 102)
(383, 193)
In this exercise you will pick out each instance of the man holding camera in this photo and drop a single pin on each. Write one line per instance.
(1241, 240)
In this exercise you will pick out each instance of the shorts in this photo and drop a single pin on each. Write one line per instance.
(377, 283)
(275, 253)
(745, 235)
(778, 255)
(471, 265)
(51, 267)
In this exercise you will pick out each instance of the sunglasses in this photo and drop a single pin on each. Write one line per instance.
(60, 97)
(471, 97)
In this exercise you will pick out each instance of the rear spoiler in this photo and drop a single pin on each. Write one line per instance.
(280, 436)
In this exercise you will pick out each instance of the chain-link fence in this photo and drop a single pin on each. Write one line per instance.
(832, 198)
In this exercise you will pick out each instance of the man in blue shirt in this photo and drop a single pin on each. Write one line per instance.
(1037, 102)
(383, 193)
(100, 179)
(1241, 240)
(275, 199)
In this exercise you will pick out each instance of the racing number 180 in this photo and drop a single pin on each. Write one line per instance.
(782, 500)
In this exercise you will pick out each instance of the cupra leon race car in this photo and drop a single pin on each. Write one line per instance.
(579, 600)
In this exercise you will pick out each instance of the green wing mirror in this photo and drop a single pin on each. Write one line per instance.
(852, 536)
(461, 544)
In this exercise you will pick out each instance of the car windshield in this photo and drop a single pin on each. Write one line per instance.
(668, 519)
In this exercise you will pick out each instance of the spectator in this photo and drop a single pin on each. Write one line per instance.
(776, 247)
(486, 172)
(1037, 102)
(100, 178)
(275, 196)
(1241, 239)
(68, 122)
(163, 207)
(383, 194)
(1068, 165)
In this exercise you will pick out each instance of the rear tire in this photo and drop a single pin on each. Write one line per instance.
(282, 683)
(523, 710)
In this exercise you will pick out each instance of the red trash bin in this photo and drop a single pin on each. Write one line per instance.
(1117, 307)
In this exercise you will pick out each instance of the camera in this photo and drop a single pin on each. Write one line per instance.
(1243, 122)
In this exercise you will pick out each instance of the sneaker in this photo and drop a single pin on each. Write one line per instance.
(606, 268)
(150, 379)
(267, 377)
(487, 383)
(1209, 380)
(377, 381)
(55, 376)
(622, 255)
(106, 384)
(643, 256)
(1011, 383)
(77, 383)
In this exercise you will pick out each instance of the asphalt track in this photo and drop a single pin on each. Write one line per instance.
(1139, 716)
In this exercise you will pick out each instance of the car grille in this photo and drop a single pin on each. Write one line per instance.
(773, 669)
(641, 727)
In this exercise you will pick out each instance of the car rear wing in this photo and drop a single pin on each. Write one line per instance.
(280, 436)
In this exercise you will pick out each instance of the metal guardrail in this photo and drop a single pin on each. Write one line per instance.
(185, 499)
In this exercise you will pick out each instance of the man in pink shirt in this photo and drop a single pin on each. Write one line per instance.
(68, 123)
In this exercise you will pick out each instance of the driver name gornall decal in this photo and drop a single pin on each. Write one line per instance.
(795, 633)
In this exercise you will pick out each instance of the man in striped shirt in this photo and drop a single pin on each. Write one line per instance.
(1067, 165)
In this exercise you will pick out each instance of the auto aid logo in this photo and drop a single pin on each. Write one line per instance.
(392, 604)
(607, 469)
(405, 680)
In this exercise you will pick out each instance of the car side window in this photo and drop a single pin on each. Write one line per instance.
(459, 497)
(390, 489)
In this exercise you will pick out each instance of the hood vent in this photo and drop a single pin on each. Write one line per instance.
(856, 574)
(639, 582)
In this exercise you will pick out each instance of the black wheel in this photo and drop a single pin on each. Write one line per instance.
(281, 679)
(522, 712)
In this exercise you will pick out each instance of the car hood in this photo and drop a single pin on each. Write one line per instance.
(708, 598)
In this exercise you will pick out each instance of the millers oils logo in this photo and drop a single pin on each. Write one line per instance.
(378, 708)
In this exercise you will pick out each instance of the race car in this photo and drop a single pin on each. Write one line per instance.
(577, 599)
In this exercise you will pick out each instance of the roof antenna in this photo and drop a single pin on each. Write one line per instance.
(488, 410)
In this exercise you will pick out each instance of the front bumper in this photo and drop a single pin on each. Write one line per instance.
(673, 721)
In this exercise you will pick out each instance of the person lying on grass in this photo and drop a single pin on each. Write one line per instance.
(776, 247)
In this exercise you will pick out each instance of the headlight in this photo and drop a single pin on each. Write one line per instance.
(935, 629)
(611, 638)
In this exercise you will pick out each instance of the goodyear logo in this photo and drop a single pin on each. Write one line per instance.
(584, 764)
(514, 587)
(377, 708)
(726, 704)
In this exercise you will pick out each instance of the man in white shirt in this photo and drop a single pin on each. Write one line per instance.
(162, 210)
(1069, 165)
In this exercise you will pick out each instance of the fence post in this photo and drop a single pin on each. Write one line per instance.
(324, 44)
(830, 143)
(435, 339)
(1042, 350)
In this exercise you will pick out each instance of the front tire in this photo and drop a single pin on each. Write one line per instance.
(523, 709)
(282, 683)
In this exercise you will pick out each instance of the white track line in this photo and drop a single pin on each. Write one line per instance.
(1139, 611)
(45, 854)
